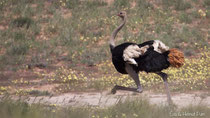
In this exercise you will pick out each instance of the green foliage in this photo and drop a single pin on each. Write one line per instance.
(39, 93)
(18, 45)
(208, 12)
(177, 4)
(91, 57)
(75, 33)
(71, 4)
(167, 3)
(95, 3)
(21, 21)
(129, 109)
(195, 14)
(143, 4)
(121, 3)
(2, 3)
(182, 5)
(18, 49)
(13, 2)
(206, 3)
(11, 109)
(185, 18)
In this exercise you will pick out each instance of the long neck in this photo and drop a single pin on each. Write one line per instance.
(114, 33)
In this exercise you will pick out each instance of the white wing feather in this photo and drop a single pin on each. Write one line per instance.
(160, 46)
(133, 51)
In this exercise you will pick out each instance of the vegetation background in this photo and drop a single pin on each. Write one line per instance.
(50, 47)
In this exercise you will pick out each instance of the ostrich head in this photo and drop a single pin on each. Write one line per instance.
(122, 14)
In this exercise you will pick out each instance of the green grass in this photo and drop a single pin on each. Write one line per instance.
(91, 20)
(70, 37)
(129, 109)
(39, 93)
(121, 3)
(75, 33)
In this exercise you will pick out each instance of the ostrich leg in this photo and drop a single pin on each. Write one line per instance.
(135, 77)
(164, 77)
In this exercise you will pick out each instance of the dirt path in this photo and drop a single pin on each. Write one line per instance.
(104, 99)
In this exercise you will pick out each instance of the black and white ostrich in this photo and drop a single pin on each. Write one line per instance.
(151, 56)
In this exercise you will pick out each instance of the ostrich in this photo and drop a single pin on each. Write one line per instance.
(151, 56)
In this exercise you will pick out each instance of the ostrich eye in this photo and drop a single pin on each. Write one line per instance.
(120, 12)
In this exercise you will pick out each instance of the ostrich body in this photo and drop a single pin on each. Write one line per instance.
(130, 58)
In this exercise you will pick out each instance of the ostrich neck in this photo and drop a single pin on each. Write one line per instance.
(114, 33)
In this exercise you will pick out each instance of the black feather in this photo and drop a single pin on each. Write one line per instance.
(150, 42)
(117, 57)
(151, 61)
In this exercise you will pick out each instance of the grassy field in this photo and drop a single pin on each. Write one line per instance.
(64, 44)
(50, 47)
(135, 109)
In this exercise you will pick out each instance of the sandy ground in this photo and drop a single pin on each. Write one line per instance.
(104, 99)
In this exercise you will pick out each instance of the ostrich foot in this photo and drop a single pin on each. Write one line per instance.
(139, 90)
(117, 87)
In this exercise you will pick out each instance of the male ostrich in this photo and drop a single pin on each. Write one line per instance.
(151, 56)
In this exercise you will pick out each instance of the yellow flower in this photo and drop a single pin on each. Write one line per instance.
(135, 115)
(123, 115)
(202, 13)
